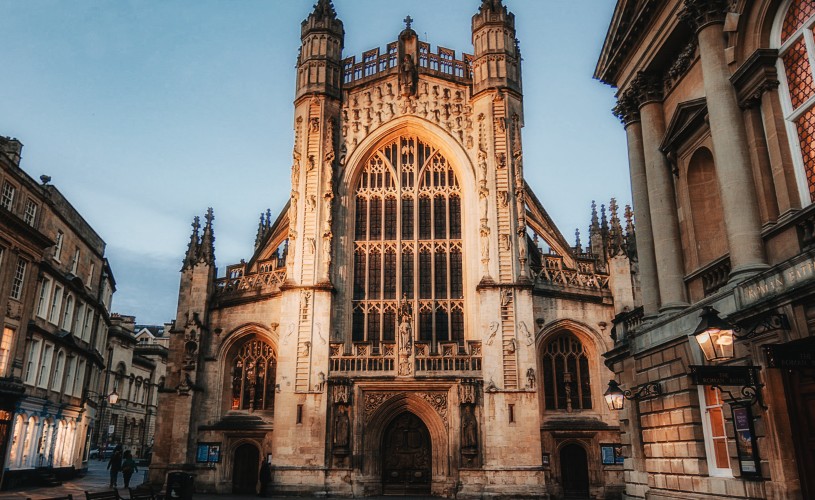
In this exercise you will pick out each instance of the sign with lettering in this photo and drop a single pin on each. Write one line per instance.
(724, 375)
(785, 277)
(789, 357)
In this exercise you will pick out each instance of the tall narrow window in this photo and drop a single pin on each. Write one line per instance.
(5, 349)
(68, 314)
(45, 295)
(566, 379)
(32, 362)
(45, 366)
(408, 243)
(18, 280)
(75, 262)
(56, 304)
(718, 458)
(58, 246)
(80, 378)
(30, 215)
(796, 49)
(7, 196)
(56, 381)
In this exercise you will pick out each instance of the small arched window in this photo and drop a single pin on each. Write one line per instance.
(566, 381)
(253, 377)
(706, 207)
(796, 49)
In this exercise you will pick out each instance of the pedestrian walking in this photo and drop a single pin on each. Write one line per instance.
(115, 465)
(265, 478)
(128, 467)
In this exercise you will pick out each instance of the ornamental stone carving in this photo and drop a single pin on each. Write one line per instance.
(701, 13)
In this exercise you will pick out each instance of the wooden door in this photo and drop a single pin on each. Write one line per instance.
(245, 470)
(406, 457)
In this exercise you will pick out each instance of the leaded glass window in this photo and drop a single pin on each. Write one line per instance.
(796, 51)
(253, 377)
(566, 380)
(408, 244)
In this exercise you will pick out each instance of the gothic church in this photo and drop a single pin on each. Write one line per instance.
(399, 328)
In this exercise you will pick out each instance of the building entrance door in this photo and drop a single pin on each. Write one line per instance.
(574, 471)
(406, 457)
(245, 470)
(801, 400)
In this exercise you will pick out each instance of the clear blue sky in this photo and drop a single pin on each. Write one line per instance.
(147, 112)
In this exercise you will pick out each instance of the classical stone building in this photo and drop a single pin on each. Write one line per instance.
(136, 362)
(718, 104)
(398, 329)
(55, 293)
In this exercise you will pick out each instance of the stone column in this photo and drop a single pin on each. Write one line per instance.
(730, 152)
(661, 196)
(627, 110)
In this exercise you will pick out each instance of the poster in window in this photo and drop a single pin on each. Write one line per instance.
(611, 454)
(746, 448)
(202, 453)
(208, 453)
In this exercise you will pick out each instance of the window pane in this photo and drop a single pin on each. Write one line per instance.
(362, 218)
(455, 217)
(375, 228)
(374, 275)
(441, 275)
(440, 216)
(407, 275)
(359, 276)
(373, 326)
(389, 326)
(425, 326)
(806, 136)
(456, 280)
(390, 276)
(407, 218)
(457, 326)
(424, 218)
(390, 219)
(425, 277)
(799, 73)
(358, 328)
(442, 332)
(799, 11)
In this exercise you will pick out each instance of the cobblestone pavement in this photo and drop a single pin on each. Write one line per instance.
(97, 479)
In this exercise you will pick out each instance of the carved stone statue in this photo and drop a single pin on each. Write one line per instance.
(342, 428)
(407, 76)
(530, 378)
(469, 428)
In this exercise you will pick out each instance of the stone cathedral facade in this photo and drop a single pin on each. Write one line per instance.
(413, 322)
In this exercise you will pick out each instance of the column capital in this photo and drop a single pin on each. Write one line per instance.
(701, 13)
(628, 107)
(649, 87)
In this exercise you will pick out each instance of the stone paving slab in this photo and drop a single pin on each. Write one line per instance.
(97, 479)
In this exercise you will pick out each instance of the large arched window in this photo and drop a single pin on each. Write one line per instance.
(566, 382)
(407, 244)
(253, 377)
(797, 49)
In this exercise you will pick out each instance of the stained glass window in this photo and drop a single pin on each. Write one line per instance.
(796, 50)
(253, 377)
(408, 243)
(566, 379)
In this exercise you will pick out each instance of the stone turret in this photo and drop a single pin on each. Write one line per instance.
(497, 61)
(319, 65)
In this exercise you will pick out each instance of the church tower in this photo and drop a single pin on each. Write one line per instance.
(307, 294)
(181, 399)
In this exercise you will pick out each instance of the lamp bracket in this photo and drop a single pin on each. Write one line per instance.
(719, 376)
(645, 391)
(767, 323)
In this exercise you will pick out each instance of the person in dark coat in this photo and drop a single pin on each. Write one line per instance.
(265, 478)
(115, 465)
(128, 467)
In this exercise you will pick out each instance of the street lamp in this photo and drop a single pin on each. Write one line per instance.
(716, 336)
(111, 398)
(615, 397)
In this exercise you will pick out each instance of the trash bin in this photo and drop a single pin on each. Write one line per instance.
(180, 486)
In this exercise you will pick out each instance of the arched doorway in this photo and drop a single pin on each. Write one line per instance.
(406, 456)
(574, 471)
(245, 469)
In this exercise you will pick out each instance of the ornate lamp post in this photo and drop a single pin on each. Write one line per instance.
(615, 397)
(716, 336)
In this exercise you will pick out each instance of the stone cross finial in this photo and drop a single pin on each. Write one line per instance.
(408, 21)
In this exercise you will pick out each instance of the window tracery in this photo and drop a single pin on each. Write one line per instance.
(566, 378)
(797, 48)
(253, 377)
(408, 244)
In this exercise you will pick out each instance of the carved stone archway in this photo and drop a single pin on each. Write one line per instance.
(381, 408)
